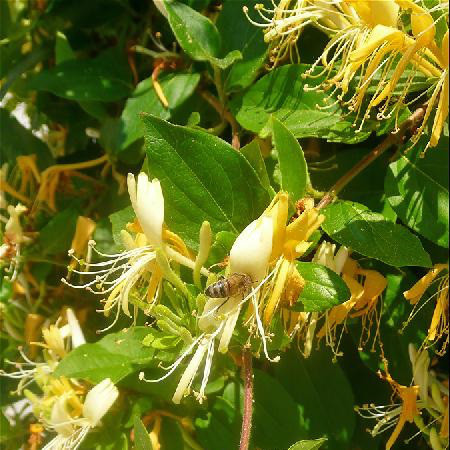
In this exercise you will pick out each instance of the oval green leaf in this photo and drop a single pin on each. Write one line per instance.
(417, 189)
(323, 289)
(293, 169)
(309, 445)
(195, 33)
(203, 178)
(370, 234)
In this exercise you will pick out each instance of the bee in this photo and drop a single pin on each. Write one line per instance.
(235, 284)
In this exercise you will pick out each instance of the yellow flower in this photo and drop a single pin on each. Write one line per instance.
(395, 415)
(140, 269)
(439, 326)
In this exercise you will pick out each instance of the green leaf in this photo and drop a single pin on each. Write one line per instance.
(119, 220)
(115, 356)
(20, 141)
(276, 416)
(227, 60)
(252, 153)
(203, 178)
(63, 50)
(56, 236)
(308, 445)
(195, 33)
(323, 289)
(370, 234)
(282, 93)
(323, 395)
(417, 189)
(177, 87)
(293, 169)
(141, 437)
(239, 34)
(105, 78)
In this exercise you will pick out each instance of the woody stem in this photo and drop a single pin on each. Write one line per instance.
(248, 399)
(394, 137)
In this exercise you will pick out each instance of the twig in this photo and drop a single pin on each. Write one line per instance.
(393, 138)
(248, 399)
(223, 112)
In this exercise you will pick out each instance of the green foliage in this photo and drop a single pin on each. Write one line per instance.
(323, 289)
(212, 182)
(225, 115)
(370, 234)
(417, 189)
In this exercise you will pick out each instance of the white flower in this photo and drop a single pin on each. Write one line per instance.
(98, 401)
(71, 431)
(251, 251)
(250, 254)
(148, 204)
(75, 331)
(327, 256)
(146, 261)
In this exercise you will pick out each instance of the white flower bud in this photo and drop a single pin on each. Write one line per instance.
(252, 249)
(148, 204)
(98, 401)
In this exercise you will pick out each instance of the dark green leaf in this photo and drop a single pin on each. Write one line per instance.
(195, 33)
(227, 60)
(252, 153)
(323, 289)
(417, 189)
(105, 78)
(293, 169)
(176, 87)
(323, 395)
(239, 34)
(19, 141)
(56, 236)
(370, 234)
(308, 445)
(63, 50)
(203, 178)
(115, 356)
(282, 93)
(141, 437)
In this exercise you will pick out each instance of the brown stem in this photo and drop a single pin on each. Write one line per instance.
(223, 112)
(393, 138)
(248, 399)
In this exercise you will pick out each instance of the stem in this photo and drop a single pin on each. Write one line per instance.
(248, 399)
(394, 137)
(223, 112)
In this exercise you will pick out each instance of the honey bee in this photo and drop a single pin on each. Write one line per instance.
(235, 284)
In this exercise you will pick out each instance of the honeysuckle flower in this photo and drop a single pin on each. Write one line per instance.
(29, 179)
(13, 239)
(425, 402)
(140, 269)
(439, 326)
(250, 254)
(58, 341)
(83, 233)
(395, 415)
(366, 287)
(290, 242)
(370, 47)
(71, 430)
(148, 204)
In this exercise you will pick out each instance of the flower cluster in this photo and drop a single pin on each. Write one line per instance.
(424, 403)
(61, 408)
(376, 50)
